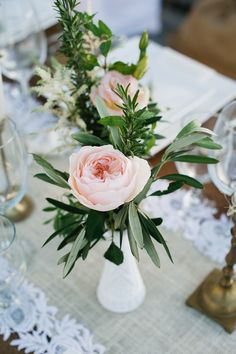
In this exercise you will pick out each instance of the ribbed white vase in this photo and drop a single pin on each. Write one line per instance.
(121, 288)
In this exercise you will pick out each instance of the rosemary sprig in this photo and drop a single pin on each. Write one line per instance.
(138, 131)
(81, 43)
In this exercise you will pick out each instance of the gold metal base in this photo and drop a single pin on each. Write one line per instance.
(215, 301)
(22, 210)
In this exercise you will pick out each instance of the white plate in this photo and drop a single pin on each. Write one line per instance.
(180, 85)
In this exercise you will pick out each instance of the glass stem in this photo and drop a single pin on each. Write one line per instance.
(25, 100)
(3, 159)
(24, 86)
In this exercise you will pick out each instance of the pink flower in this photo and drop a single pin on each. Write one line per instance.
(103, 178)
(109, 83)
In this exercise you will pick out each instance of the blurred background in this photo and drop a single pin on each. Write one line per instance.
(202, 29)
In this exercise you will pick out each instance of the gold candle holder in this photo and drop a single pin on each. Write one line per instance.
(22, 210)
(216, 295)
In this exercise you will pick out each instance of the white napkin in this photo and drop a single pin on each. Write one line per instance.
(127, 17)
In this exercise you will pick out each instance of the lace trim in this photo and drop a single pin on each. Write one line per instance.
(210, 236)
(39, 330)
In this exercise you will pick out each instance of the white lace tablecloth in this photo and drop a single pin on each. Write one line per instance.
(40, 331)
(198, 224)
(163, 324)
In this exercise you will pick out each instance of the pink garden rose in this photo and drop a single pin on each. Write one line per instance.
(103, 178)
(109, 83)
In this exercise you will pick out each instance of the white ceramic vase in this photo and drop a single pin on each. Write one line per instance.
(121, 288)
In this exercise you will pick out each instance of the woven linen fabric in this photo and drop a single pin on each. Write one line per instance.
(162, 325)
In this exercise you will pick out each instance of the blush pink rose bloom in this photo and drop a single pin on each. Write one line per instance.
(103, 178)
(109, 83)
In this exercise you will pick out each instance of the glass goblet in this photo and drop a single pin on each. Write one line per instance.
(22, 46)
(12, 263)
(223, 174)
(13, 165)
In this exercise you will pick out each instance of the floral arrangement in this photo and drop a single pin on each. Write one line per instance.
(109, 177)
(70, 90)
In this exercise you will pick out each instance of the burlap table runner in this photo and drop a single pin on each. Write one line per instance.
(163, 324)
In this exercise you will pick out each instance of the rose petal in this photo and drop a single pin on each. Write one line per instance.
(103, 178)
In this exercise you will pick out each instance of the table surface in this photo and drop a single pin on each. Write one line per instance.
(163, 324)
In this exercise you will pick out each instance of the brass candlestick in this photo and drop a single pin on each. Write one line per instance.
(22, 210)
(216, 295)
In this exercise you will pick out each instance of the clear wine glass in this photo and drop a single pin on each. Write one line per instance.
(13, 165)
(12, 263)
(22, 45)
(223, 174)
(193, 198)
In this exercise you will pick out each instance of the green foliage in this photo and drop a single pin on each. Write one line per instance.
(123, 68)
(133, 133)
(114, 134)
(143, 44)
(88, 139)
(74, 252)
(153, 231)
(47, 179)
(183, 178)
(114, 254)
(82, 227)
(139, 69)
(54, 176)
(77, 28)
(173, 186)
(208, 143)
(78, 209)
(113, 121)
(142, 195)
(56, 233)
(135, 225)
(82, 41)
(70, 220)
(95, 225)
(120, 217)
(195, 159)
(190, 136)
(133, 243)
(150, 248)
(70, 237)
